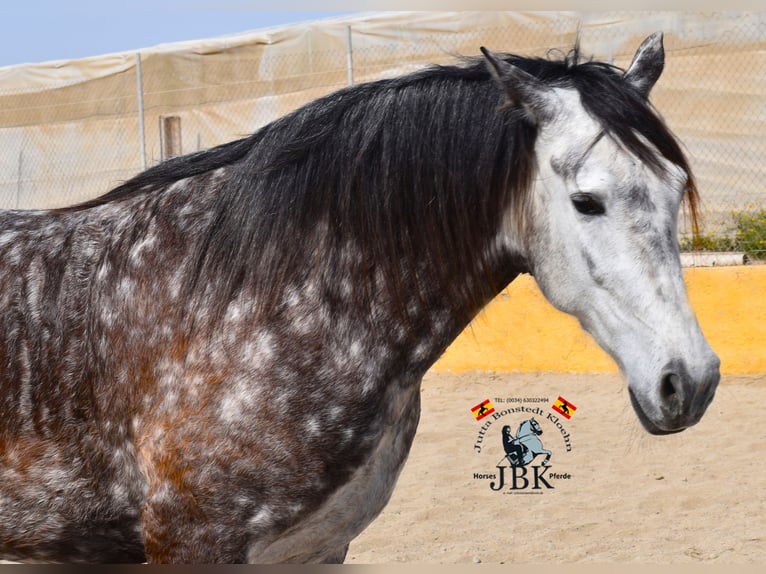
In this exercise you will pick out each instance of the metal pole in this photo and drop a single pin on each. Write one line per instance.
(349, 57)
(140, 94)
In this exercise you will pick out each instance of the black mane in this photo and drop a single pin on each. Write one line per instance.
(416, 168)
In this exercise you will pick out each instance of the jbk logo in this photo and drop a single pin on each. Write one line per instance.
(520, 451)
(520, 479)
(526, 466)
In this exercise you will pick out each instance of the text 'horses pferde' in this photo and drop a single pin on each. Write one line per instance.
(220, 360)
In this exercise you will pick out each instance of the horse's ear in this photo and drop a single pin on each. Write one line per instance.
(522, 88)
(647, 64)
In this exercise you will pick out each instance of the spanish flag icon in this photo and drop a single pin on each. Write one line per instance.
(482, 410)
(564, 407)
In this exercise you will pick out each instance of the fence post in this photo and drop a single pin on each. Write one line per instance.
(349, 57)
(140, 95)
(170, 137)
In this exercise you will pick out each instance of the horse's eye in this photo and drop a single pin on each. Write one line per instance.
(587, 204)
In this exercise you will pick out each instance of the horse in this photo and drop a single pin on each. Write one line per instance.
(220, 359)
(523, 449)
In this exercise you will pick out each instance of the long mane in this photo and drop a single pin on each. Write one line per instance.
(398, 182)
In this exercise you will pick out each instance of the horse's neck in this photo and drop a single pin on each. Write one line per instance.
(403, 332)
(434, 320)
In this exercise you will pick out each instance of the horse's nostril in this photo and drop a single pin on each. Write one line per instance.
(680, 398)
(671, 393)
(668, 387)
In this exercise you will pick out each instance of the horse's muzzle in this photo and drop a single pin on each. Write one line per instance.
(682, 398)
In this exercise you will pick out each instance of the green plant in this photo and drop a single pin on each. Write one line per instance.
(709, 242)
(749, 235)
(751, 231)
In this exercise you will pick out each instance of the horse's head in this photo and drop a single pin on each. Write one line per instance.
(601, 231)
(529, 426)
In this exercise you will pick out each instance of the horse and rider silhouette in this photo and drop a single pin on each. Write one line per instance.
(522, 449)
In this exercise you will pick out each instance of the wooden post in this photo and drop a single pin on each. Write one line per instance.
(170, 136)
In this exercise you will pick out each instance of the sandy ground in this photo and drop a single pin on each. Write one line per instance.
(694, 497)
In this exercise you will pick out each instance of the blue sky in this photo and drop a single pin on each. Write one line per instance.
(43, 30)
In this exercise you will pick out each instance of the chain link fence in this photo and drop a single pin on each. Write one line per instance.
(70, 131)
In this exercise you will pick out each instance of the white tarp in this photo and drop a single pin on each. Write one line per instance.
(70, 129)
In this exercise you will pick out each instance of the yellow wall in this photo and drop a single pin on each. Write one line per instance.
(520, 331)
